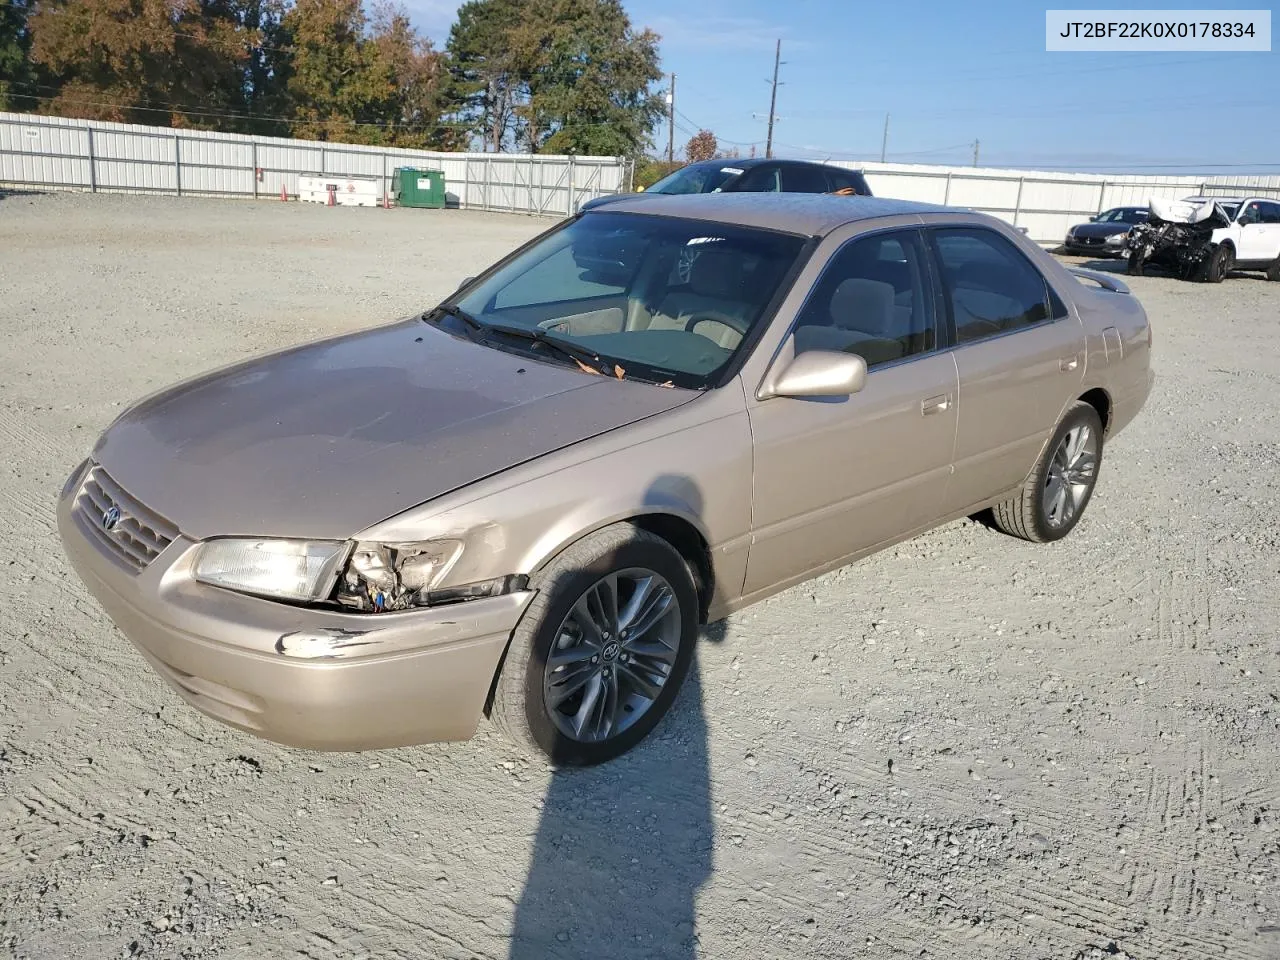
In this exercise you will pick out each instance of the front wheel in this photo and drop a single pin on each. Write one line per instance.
(1273, 271)
(600, 654)
(1054, 496)
(1135, 265)
(1218, 266)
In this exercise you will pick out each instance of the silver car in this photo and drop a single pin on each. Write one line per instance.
(524, 502)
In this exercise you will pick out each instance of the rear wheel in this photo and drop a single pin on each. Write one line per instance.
(1273, 271)
(599, 656)
(1218, 265)
(1055, 495)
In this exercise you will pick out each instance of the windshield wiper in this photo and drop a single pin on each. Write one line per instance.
(450, 310)
(586, 358)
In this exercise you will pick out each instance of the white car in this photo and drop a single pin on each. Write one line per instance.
(1207, 237)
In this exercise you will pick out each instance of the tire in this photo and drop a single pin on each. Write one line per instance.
(1030, 514)
(1273, 271)
(1135, 265)
(631, 682)
(1218, 266)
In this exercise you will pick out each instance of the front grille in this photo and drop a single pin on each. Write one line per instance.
(136, 536)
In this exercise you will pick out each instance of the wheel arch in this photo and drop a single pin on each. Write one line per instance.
(1100, 400)
(684, 536)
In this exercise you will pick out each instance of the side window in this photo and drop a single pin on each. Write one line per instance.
(840, 180)
(1270, 212)
(801, 179)
(1252, 213)
(990, 286)
(763, 179)
(871, 300)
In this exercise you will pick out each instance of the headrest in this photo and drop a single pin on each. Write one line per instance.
(867, 305)
(717, 273)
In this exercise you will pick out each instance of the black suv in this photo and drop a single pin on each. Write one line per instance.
(751, 176)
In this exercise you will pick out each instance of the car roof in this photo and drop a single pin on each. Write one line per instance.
(746, 163)
(808, 214)
(1199, 199)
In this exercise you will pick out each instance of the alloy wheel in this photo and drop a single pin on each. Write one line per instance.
(612, 655)
(1071, 475)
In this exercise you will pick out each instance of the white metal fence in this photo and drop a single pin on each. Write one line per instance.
(1045, 203)
(60, 153)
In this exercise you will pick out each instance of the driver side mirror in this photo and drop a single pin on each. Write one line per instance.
(820, 373)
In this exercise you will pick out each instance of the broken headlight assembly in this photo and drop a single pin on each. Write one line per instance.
(394, 576)
(398, 576)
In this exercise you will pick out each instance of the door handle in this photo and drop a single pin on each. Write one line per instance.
(935, 405)
(1067, 364)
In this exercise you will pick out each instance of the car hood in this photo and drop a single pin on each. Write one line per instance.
(1100, 229)
(323, 440)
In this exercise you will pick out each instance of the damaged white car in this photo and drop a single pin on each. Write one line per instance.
(1205, 238)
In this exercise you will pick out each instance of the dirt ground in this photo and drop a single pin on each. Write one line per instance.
(966, 747)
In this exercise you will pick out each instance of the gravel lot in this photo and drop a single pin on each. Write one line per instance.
(966, 747)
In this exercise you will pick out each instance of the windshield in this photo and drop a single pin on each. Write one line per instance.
(1124, 215)
(697, 178)
(655, 298)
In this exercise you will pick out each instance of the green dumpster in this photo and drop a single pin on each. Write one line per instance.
(419, 188)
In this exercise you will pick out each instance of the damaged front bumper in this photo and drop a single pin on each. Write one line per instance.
(1176, 239)
(302, 676)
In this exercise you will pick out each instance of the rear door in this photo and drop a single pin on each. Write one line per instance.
(1019, 354)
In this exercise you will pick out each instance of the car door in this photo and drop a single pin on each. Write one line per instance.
(1019, 354)
(1259, 240)
(837, 476)
(1249, 239)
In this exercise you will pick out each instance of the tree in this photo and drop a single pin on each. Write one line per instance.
(17, 76)
(145, 61)
(701, 146)
(330, 87)
(560, 76)
(589, 78)
(484, 81)
(362, 80)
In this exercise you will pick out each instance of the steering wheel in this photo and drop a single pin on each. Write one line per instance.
(736, 324)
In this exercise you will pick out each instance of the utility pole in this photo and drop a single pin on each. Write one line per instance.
(884, 141)
(773, 99)
(671, 121)
(976, 143)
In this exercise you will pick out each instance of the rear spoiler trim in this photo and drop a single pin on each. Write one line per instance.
(1104, 280)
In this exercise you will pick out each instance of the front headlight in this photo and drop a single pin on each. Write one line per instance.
(287, 569)
(1116, 239)
(395, 576)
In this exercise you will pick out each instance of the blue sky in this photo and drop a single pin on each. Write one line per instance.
(950, 73)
